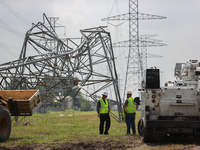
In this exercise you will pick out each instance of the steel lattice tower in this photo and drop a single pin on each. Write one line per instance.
(65, 66)
(136, 58)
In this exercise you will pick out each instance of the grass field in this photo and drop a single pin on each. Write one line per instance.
(77, 130)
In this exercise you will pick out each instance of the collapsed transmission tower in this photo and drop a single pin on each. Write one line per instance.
(136, 57)
(58, 67)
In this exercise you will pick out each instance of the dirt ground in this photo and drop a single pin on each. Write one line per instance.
(136, 143)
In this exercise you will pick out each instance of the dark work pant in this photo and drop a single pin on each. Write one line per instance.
(130, 122)
(103, 119)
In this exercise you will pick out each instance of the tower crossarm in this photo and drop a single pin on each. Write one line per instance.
(153, 56)
(141, 44)
(141, 16)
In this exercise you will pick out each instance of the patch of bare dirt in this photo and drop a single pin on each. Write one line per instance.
(93, 145)
(133, 142)
(98, 145)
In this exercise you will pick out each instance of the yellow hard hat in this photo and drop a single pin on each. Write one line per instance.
(129, 92)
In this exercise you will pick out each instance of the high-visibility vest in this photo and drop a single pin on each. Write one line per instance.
(103, 106)
(130, 107)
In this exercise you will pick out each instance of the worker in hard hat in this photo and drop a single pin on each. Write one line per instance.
(103, 111)
(130, 106)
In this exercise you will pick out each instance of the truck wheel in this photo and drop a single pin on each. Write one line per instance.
(146, 138)
(5, 124)
(140, 127)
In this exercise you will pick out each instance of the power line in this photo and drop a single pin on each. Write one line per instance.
(15, 13)
(6, 29)
(10, 46)
(112, 7)
(5, 49)
(6, 26)
(36, 9)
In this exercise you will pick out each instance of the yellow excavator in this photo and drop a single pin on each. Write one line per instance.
(16, 103)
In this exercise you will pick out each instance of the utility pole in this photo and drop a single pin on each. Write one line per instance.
(135, 69)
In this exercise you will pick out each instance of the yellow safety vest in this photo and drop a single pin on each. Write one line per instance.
(103, 106)
(130, 107)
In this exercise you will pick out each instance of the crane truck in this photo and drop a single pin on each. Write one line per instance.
(172, 110)
(16, 103)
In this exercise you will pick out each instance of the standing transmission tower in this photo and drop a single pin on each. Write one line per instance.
(136, 58)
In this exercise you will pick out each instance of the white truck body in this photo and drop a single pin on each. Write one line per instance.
(170, 110)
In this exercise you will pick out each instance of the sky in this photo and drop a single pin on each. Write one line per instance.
(180, 31)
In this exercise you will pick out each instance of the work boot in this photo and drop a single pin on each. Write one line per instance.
(128, 134)
(106, 133)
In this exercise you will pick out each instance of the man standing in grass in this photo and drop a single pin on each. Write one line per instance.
(130, 106)
(103, 111)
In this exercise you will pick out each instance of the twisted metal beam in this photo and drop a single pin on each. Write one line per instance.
(56, 67)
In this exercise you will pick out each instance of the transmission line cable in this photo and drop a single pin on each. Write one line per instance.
(10, 46)
(112, 7)
(15, 13)
(10, 29)
(36, 9)
(6, 29)
(5, 49)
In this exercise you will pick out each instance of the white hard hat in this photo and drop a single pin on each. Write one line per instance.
(105, 93)
(129, 92)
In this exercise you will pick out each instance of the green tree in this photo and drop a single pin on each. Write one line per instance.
(85, 104)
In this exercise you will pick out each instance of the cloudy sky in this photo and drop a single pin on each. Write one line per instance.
(180, 31)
